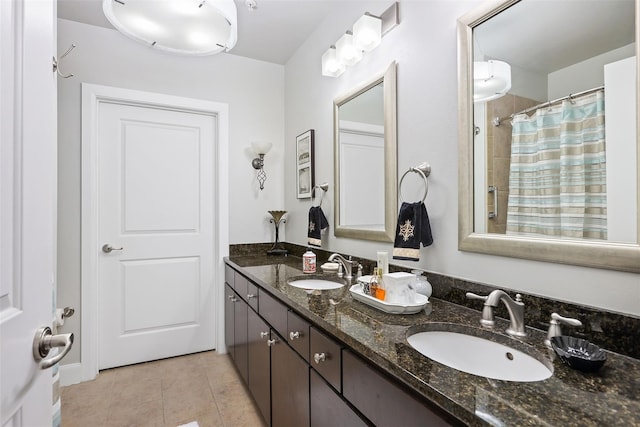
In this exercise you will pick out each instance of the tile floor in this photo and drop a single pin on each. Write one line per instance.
(202, 387)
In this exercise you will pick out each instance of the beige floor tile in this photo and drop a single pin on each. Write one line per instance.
(128, 413)
(134, 389)
(203, 387)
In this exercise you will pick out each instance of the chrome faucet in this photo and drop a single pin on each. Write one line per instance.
(554, 326)
(515, 309)
(347, 265)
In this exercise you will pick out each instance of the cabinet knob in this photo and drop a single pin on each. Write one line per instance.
(264, 335)
(251, 296)
(319, 357)
(294, 335)
(272, 342)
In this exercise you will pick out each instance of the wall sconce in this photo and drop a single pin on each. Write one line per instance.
(260, 148)
(365, 36)
(491, 80)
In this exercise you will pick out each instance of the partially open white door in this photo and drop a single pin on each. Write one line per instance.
(27, 206)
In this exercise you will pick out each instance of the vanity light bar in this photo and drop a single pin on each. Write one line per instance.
(365, 36)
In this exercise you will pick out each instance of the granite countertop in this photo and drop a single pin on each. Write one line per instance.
(610, 396)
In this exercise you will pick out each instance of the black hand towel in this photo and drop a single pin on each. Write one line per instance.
(317, 223)
(413, 228)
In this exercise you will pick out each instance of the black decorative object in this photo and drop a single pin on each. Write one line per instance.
(578, 353)
(277, 248)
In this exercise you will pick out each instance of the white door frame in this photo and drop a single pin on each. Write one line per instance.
(92, 97)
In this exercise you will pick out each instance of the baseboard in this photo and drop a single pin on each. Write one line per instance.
(70, 374)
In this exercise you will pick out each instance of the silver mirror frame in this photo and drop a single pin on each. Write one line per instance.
(606, 255)
(388, 79)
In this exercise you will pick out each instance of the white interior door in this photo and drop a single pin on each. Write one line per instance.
(155, 209)
(27, 206)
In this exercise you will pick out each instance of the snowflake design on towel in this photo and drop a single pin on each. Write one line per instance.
(406, 230)
(312, 226)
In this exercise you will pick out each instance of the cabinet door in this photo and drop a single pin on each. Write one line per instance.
(240, 337)
(289, 386)
(259, 364)
(385, 403)
(229, 314)
(328, 409)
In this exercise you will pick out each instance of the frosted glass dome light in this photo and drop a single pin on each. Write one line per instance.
(491, 80)
(187, 27)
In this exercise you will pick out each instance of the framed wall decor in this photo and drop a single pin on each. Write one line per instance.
(304, 164)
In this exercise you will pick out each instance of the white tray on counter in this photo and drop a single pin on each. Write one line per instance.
(392, 308)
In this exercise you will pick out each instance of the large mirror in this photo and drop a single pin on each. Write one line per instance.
(548, 132)
(365, 151)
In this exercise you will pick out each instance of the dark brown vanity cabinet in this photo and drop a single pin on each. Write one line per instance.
(383, 402)
(241, 310)
(327, 408)
(229, 322)
(300, 376)
(289, 387)
(259, 336)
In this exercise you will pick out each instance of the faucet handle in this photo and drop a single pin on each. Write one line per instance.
(554, 326)
(471, 295)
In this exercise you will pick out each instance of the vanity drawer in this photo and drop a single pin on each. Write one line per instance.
(383, 402)
(240, 285)
(273, 311)
(229, 275)
(252, 296)
(298, 334)
(325, 355)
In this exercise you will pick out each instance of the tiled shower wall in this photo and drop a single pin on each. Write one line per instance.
(499, 154)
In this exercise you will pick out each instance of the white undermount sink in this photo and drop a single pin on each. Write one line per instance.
(479, 356)
(315, 284)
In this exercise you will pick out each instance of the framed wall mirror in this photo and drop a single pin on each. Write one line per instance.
(365, 160)
(548, 132)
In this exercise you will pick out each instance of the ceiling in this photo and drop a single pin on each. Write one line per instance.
(545, 36)
(271, 32)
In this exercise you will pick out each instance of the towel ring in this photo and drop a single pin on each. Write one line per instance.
(324, 187)
(424, 170)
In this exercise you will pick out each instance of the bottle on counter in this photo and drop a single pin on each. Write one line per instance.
(309, 262)
(380, 291)
(373, 283)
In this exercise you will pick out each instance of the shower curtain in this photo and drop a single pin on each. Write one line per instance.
(557, 179)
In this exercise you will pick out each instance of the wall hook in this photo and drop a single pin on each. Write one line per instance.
(56, 63)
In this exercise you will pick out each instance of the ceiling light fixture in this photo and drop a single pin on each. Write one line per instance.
(491, 80)
(365, 36)
(187, 27)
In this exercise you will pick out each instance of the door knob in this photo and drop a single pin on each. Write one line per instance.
(107, 248)
(44, 341)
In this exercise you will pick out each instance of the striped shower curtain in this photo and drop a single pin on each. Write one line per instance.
(557, 179)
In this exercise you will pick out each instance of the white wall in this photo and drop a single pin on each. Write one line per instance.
(254, 91)
(424, 45)
(586, 74)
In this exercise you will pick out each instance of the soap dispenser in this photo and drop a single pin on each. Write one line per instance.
(421, 285)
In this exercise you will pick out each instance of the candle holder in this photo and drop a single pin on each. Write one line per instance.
(277, 248)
